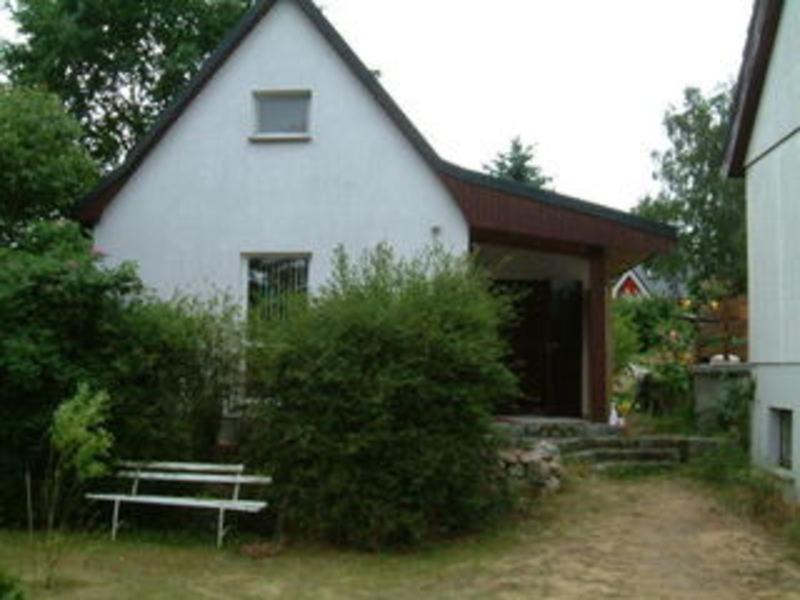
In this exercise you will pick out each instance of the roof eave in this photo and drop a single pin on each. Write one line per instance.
(561, 201)
(752, 75)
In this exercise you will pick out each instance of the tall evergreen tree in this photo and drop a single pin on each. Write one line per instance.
(517, 164)
(115, 63)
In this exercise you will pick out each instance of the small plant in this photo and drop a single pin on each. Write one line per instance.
(80, 450)
(10, 588)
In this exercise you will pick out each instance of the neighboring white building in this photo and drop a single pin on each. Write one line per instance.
(285, 145)
(764, 147)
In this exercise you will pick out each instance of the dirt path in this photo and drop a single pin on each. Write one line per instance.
(656, 538)
(643, 539)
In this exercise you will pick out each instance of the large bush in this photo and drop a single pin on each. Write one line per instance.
(378, 427)
(167, 366)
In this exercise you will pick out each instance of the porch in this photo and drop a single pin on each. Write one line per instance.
(559, 255)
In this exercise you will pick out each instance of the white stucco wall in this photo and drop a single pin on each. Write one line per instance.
(773, 212)
(206, 196)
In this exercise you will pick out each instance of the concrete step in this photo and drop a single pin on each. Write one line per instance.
(626, 455)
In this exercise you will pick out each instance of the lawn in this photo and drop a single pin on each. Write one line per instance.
(656, 537)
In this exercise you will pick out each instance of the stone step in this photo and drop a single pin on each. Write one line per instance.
(609, 468)
(626, 455)
(536, 428)
(577, 444)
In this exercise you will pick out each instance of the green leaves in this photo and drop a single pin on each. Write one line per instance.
(68, 319)
(43, 168)
(79, 435)
(708, 210)
(378, 430)
(115, 63)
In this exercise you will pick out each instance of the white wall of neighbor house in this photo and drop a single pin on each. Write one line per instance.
(527, 265)
(208, 196)
(773, 205)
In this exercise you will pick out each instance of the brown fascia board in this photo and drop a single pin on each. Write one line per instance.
(752, 75)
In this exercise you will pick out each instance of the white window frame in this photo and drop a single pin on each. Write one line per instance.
(782, 439)
(258, 136)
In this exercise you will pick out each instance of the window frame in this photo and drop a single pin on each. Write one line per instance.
(287, 136)
(784, 434)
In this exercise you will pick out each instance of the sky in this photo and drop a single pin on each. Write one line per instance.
(586, 81)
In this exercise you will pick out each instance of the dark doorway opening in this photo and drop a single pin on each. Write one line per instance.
(546, 341)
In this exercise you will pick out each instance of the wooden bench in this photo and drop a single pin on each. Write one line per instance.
(178, 472)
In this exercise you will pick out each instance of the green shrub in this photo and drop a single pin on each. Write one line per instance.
(653, 318)
(176, 364)
(378, 431)
(730, 413)
(68, 319)
(10, 588)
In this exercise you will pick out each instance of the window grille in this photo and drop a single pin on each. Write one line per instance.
(272, 282)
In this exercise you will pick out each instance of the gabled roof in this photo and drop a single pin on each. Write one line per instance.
(91, 208)
(634, 276)
(653, 235)
(755, 62)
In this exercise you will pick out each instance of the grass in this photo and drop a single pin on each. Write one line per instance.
(749, 492)
(582, 542)
(157, 565)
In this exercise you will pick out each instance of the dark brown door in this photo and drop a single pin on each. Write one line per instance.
(546, 347)
(565, 350)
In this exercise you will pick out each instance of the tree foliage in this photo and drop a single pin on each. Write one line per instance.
(115, 63)
(378, 430)
(518, 164)
(708, 209)
(43, 167)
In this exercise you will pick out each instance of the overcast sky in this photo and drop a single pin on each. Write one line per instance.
(587, 81)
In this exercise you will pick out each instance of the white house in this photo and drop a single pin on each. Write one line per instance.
(285, 145)
(764, 147)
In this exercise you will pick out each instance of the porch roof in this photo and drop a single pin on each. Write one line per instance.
(509, 213)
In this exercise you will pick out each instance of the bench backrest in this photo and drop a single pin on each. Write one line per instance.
(179, 472)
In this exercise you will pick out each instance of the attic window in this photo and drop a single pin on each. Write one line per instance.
(282, 115)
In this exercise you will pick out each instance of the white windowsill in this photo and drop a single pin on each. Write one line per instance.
(279, 137)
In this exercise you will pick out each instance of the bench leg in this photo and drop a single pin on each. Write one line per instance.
(220, 528)
(115, 521)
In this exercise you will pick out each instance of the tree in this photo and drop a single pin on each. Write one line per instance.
(115, 63)
(518, 165)
(43, 167)
(707, 209)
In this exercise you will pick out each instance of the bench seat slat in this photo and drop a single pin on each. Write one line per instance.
(193, 477)
(251, 506)
(180, 466)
